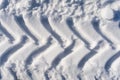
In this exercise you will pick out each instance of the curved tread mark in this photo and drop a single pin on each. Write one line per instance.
(38, 51)
(6, 72)
(71, 26)
(11, 38)
(35, 53)
(23, 26)
(96, 26)
(111, 60)
(89, 55)
(86, 58)
(13, 74)
(46, 76)
(57, 60)
(66, 52)
(11, 50)
(46, 24)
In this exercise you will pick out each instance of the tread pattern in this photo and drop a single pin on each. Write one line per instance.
(70, 46)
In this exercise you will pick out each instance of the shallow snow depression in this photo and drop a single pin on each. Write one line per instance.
(59, 39)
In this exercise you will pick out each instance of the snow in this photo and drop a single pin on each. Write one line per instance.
(115, 6)
(59, 39)
(107, 13)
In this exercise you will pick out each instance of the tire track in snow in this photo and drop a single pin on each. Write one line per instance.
(62, 28)
(57, 60)
(67, 51)
(99, 61)
(11, 50)
(72, 28)
(23, 26)
(89, 56)
(96, 26)
(7, 34)
(70, 61)
(6, 72)
(46, 24)
(111, 60)
(115, 67)
(13, 73)
(36, 53)
(88, 32)
(112, 29)
(18, 57)
(63, 54)
(13, 29)
(39, 30)
(7, 45)
(52, 51)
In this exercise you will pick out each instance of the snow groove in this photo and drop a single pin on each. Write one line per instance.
(52, 48)
(10, 37)
(23, 26)
(5, 56)
(46, 24)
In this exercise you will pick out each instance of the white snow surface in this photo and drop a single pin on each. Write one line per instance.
(59, 39)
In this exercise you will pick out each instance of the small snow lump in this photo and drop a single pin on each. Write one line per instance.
(107, 13)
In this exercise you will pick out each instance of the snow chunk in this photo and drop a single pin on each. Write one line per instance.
(116, 5)
(107, 13)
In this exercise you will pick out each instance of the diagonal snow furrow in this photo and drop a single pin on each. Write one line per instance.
(63, 54)
(112, 29)
(115, 67)
(97, 27)
(50, 51)
(37, 52)
(7, 45)
(7, 34)
(44, 20)
(70, 62)
(77, 45)
(37, 28)
(59, 57)
(72, 28)
(92, 53)
(6, 72)
(89, 33)
(54, 55)
(28, 48)
(31, 59)
(14, 58)
(76, 56)
(23, 26)
(50, 54)
(94, 64)
(96, 60)
(5, 56)
(13, 74)
(62, 29)
(111, 60)
(9, 23)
